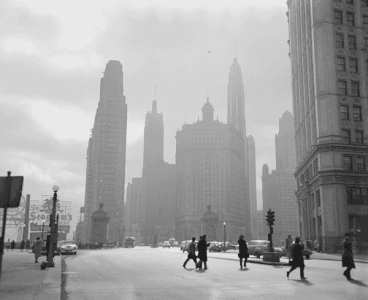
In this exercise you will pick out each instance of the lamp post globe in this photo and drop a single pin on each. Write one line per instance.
(224, 236)
(55, 188)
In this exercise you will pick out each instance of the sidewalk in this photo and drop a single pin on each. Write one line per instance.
(233, 255)
(22, 278)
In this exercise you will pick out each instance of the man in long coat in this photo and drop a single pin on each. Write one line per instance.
(202, 252)
(243, 251)
(347, 256)
(298, 259)
(37, 248)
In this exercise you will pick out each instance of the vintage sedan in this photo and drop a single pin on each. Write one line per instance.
(166, 244)
(214, 247)
(68, 248)
(257, 247)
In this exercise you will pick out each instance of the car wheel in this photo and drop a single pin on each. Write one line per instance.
(307, 256)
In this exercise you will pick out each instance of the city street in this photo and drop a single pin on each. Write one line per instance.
(156, 273)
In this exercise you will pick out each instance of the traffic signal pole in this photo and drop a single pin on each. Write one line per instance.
(270, 255)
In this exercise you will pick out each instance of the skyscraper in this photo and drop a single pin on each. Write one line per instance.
(158, 208)
(278, 187)
(236, 117)
(105, 176)
(210, 168)
(328, 53)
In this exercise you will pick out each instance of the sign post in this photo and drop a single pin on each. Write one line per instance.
(10, 194)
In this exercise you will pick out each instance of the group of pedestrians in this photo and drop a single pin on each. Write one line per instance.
(23, 245)
(202, 252)
(294, 253)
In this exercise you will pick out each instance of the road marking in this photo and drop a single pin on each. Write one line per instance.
(69, 272)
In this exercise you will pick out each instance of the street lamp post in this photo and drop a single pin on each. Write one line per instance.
(224, 236)
(23, 231)
(50, 258)
(43, 225)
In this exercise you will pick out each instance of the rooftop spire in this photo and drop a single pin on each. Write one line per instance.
(154, 106)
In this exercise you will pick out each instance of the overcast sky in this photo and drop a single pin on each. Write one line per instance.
(53, 53)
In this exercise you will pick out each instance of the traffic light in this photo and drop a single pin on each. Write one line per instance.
(268, 218)
(272, 217)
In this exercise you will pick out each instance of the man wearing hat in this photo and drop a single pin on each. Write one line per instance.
(298, 259)
(243, 251)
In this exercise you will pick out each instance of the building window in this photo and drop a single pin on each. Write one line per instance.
(356, 195)
(359, 137)
(344, 112)
(348, 163)
(339, 37)
(346, 136)
(355, 92)
(364, 3)
(360, 163)
(352, 42)
(353, 65)
(338, 17)
(341, 64)
(357, 113)
(342, 86)
(318, 198)
(365, 19)
(350, 2)
(350, 19)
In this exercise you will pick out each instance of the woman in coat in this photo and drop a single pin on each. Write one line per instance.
(37, 248)
(243, 251)
(347, 256)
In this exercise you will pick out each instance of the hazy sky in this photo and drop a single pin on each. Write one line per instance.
(53, 53)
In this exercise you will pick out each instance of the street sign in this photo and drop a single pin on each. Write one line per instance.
(16, 185)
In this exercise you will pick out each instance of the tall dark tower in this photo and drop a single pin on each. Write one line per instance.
(235, 99)
(236, 118)
(153, 138)
(106, 154)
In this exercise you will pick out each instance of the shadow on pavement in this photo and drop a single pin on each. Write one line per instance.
(306, 282)
(277, 266)
(358, 282)
(244, 269)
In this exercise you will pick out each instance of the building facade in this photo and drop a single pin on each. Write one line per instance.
(105, 175)
(329, 63)
(236, 118)
(279, 186)
(210, 170)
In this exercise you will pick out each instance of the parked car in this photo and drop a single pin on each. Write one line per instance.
(257, 247)
(166, 244)
(306, 252)
(183, 244)
(69, 248)
(159, 244)
(142, 244)
(214, 246)
(175, 244)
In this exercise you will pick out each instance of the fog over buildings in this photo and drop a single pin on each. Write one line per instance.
(144, 104)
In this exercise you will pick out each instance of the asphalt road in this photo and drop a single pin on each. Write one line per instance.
(156, 273)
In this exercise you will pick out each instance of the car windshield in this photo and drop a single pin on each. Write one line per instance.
(66, 242)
